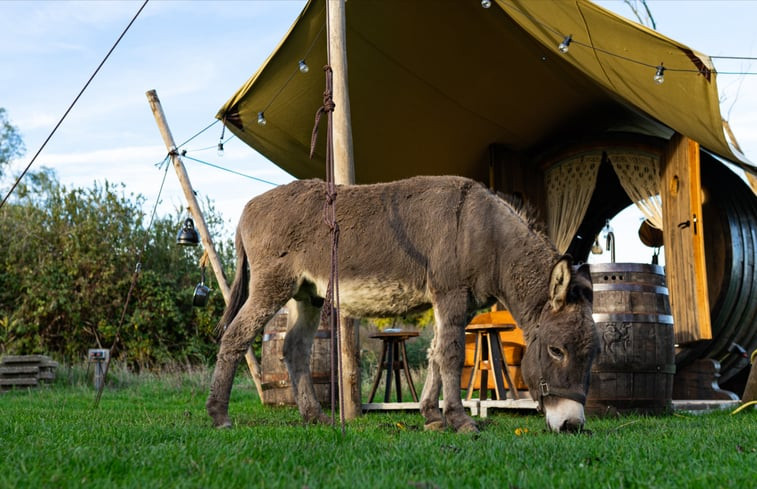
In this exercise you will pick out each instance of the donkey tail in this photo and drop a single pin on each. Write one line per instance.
(239, 288)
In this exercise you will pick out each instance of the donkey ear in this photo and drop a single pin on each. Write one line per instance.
(582, 283)
(559, 283)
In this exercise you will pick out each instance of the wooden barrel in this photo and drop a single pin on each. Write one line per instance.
(635, 367)
(277, 388)
(729, 220)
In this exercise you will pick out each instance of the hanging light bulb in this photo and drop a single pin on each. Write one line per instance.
(220, 140)
(486, 3)
(303, 66)
(659, 76)
(564, 45)
(261, 119)
(596, 248)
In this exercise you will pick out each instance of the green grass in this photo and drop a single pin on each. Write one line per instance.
(154, 433)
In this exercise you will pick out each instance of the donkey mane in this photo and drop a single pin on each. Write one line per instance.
(527, 212)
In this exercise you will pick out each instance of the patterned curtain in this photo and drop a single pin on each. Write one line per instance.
(639, 174)
(570, 185)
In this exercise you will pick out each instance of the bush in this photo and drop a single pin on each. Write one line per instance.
(67, 261)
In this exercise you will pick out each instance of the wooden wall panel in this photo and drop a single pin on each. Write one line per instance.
(684, 241)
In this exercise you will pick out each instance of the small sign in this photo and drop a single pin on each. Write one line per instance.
(98, 354)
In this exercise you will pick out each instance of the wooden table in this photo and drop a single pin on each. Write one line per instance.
(489, 357)
(393, 360)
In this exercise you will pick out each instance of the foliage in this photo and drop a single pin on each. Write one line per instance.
(67, 260)
(11, 145)
(156, 434)
(420, 320)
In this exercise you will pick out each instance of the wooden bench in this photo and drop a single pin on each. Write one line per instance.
(26, 371)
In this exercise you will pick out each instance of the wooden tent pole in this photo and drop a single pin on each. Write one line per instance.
(344, 174)
(202, 227)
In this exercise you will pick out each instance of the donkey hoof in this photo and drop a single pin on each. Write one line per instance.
(468, 428)
(323, 419)
(434, 426)
(224, 425)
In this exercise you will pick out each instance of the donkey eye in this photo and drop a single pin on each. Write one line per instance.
(556, 353)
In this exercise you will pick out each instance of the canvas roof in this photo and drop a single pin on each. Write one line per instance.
(433, 84)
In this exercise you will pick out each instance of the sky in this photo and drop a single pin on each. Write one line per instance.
(196, 54)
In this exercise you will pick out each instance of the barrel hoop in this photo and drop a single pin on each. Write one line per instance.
(632, 318)
(626, 267)
(626, 287)
(660, 369)
(321, 333)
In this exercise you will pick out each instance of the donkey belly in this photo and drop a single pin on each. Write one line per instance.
(374, 297)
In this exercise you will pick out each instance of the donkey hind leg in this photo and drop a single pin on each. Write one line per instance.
(451, 314)
(303, 322)
(247, 324)
(431, 389)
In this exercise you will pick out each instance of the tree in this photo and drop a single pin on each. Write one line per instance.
(11, 144)
(644, 17)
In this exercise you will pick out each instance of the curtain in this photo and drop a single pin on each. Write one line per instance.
(569, 186)
(639, 174)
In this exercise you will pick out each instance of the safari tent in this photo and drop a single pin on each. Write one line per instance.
(619, 114)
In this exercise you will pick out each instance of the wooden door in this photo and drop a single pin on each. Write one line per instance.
(683, 234)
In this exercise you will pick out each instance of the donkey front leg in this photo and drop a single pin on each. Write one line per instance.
(431, 389)
(451, 314)
(298, 344)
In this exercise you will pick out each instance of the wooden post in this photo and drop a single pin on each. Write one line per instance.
(344, 174)
(202, 227)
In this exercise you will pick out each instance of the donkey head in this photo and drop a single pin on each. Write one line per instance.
(561, 348)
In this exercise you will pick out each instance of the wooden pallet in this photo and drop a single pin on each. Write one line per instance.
(26, 371)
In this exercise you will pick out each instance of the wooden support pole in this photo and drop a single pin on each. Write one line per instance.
(202, 227)
(344, 174)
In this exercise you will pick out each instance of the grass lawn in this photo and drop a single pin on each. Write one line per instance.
(154, 433)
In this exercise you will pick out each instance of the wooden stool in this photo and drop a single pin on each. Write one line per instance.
(490, 357)
(393, 360)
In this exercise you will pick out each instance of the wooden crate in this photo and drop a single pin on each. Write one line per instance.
(26, 371)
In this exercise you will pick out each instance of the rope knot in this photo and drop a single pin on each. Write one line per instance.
(327, 107)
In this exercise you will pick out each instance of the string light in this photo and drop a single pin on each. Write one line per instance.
(700, 71)
(659, 76)
(564, 45)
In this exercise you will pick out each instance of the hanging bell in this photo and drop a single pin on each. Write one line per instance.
(200, 296)
(188, 234)
(201, 293)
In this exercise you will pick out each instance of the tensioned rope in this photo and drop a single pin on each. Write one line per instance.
(134, 278)
(65, 114)
(229, 170)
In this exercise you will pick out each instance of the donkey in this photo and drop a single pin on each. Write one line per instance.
(443, 242)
